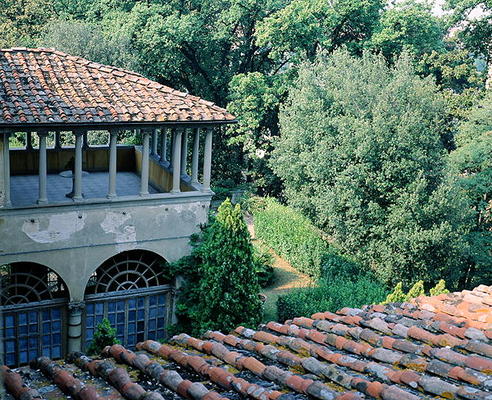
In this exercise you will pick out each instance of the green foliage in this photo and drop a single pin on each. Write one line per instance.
(440, 288)
(222, 287)
(471, 164)
(415, 291)
(290, 235)
(263, 265)
(397, 295)
(474, 18)
(330, 295)
(89, 40)
(105, 335)
(407, 26)
(361, 154)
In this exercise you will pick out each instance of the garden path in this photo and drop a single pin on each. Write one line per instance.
(286, 278)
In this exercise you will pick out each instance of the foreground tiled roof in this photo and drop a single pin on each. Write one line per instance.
(40, 86)
(434, 348)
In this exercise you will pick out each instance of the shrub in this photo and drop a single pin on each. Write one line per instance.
(330, 295)
(263, 262)
(415, 291)
(105, 335)
(221, 289)
(290, 235)
(440, 288)
(397, 295)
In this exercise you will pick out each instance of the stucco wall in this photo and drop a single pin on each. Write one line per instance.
(74, 240)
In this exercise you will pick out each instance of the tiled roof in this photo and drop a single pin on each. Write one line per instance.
(45, 86)
(434, 348)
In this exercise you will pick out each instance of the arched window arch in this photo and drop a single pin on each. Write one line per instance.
(134, 269)
(22, 283)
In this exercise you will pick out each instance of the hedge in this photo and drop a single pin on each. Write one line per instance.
(290, 235)
(330, 295)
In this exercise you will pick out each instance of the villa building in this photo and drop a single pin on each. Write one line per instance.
(86, 230)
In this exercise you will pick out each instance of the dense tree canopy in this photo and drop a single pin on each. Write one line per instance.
(360, 152)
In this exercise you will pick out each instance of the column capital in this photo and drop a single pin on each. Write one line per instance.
(42, 132)
(76, 306)
(79, 131)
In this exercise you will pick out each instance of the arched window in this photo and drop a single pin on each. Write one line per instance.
(135, 269)
(29, 282)
(131, 290)
(33, 302)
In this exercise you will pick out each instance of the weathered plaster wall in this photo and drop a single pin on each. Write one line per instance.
(74, 240)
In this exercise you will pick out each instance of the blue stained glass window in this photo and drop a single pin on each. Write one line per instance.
(90, 308)
(153, 312)
(33, 328)
(120, 305)
(46, 340)
(112, 318)
(111, 306)
(120, 318)
(152, 300)
(132, 327)
(57, 338)
(33, 341)
(56, 326)
(33, 354)
(10, 359)
(141, 314)
(22, 344)
(99, 308)
(160, 322)
(23, 357)
(22, 318)
(141, 302)
(56, 313)
(132, 303)
(140, 325)
(99, 318)
(47, 352)
(46, 315)
(90, 321)
(151, 335)
(33, 317)
(132, 315)
(160, 334)
(161, 312)
(131, 340)
(9, 332)
(56, 352)
(162, 299)
(120, 330)
(9, 321)
(46, 326)
(152, 325)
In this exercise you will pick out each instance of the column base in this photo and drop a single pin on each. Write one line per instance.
(42, 201)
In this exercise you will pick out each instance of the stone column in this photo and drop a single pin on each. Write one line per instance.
(207, 160)
(164, 147)
(113, 154)
(77, 183)
(196, 154)
(58, 145)
(184, 151)
(178, 133)
(153, 151)
(144, 176)
(43, 168)
(29, 141)
(86, 141)
(6, 168)
(75, 309)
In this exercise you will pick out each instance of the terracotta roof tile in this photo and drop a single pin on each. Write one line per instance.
(391, 352)
(47, 86)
